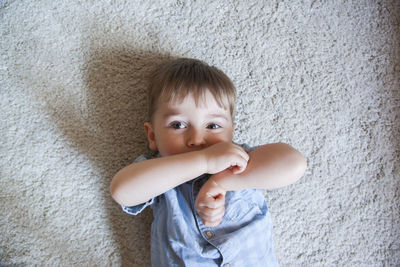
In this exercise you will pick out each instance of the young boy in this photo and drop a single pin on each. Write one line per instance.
(204, 189)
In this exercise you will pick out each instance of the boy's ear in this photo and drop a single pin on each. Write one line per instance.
(233, 130)
(148, 127)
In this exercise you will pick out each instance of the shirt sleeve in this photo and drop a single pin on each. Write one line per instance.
(135, 210)
(247, 147)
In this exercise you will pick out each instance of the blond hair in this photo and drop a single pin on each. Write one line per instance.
(175, 79)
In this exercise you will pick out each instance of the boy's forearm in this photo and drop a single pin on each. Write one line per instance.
(270, 166)
(139, 182)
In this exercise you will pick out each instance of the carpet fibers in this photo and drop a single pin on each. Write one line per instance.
(323, 76)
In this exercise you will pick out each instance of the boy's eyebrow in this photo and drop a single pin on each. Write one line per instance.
(217, 115)
(211, 115)
(171, 113)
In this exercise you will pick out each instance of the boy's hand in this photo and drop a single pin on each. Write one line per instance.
(210, 203)
(225, 155)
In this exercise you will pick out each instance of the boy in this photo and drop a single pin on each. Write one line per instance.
(204, 189)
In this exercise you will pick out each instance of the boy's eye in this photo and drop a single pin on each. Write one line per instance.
(213, 126)
(177, 125)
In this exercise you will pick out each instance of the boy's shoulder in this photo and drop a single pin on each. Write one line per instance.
(146, 156)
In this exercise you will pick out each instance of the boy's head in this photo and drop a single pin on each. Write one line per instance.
(191, 106)
(175, 79)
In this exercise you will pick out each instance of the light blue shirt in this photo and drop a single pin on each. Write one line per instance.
(179, 237)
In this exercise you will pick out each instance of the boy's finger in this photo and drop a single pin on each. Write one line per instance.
(212, 223)
(211, 213)
(239, 167)
(211, 218)
(215, 216)
(217, 202)
(213, 203)
(236, 170)
(243, 153)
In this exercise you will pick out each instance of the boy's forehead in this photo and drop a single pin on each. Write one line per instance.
(205, 101)
(175, 105)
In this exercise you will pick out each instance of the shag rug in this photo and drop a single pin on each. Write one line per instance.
(322, 76)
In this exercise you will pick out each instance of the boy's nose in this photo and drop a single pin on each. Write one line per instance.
(196, 139)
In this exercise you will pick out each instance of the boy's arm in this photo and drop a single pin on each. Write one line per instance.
(270, 166)
(141, 181)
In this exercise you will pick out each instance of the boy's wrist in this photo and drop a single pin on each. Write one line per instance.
(201, 157)
(219, 178)
(214, 184)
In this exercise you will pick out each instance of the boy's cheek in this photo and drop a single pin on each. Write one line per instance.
(223, 137)
(169, 147)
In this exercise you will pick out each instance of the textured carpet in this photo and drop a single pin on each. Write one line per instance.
(323, 77)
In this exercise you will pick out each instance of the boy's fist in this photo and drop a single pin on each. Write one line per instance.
(210, 203)
(225, 155)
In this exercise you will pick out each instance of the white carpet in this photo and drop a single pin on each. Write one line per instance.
(324, 78)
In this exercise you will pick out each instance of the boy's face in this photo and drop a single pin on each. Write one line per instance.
(184, 127)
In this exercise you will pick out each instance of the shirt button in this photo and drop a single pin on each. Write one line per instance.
(209, 234)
